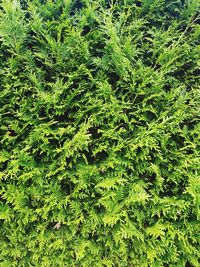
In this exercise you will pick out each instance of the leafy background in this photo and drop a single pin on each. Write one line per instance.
(99, 133)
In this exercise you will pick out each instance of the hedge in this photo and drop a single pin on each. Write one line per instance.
(100, 133)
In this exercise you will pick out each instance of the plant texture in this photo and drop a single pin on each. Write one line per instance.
(99, 133)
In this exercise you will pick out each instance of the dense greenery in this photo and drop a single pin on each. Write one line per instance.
(100, 133)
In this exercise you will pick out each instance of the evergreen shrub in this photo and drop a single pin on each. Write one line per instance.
(99, 133)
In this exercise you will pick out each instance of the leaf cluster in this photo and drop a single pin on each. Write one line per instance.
(99, 133)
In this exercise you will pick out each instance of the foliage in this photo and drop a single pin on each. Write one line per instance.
(100, 133)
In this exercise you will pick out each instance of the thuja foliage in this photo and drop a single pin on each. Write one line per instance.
(100, 133)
